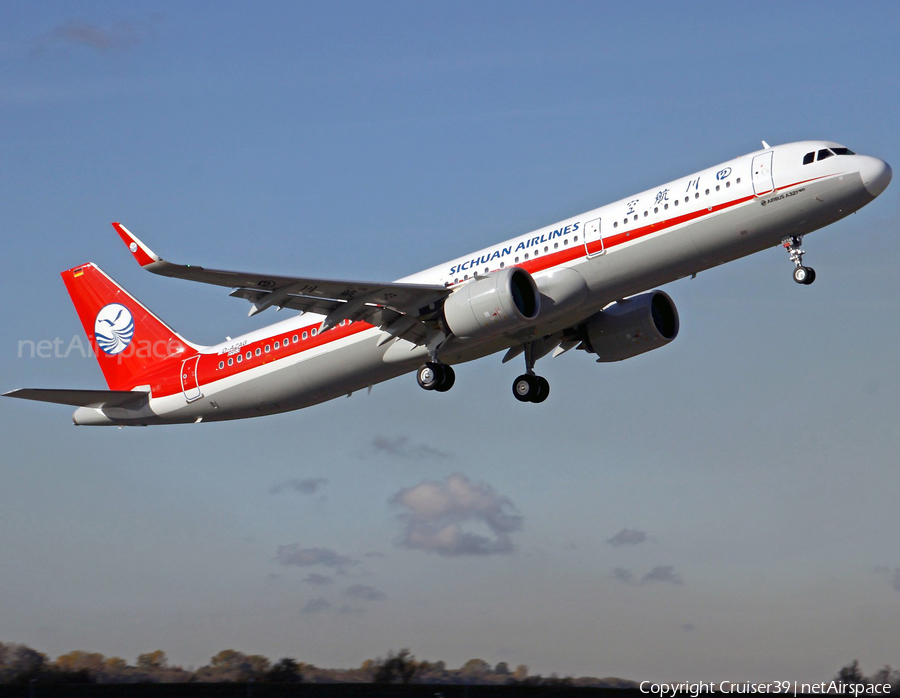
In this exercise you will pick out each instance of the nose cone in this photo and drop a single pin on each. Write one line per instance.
(876, 175)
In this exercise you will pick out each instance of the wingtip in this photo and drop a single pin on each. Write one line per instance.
(143, 254)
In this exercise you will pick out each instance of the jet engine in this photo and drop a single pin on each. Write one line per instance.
(632, 326)
(493, 305)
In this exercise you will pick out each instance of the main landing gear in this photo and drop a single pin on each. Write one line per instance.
(436, 376)
(528, 387)
(802, 275)
(531, 388)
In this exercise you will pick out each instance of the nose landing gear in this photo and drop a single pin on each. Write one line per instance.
(802, 275)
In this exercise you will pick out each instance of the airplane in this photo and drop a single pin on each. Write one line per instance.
(583, 283)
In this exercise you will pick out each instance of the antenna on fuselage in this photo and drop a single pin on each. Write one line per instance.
(766, 145)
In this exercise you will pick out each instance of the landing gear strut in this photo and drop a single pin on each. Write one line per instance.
(528, 387)
(436, 376)
(802, 275)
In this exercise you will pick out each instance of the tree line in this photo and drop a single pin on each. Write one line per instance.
(22, 664)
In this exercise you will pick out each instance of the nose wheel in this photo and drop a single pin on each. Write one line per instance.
(802, 275)
(436, 376)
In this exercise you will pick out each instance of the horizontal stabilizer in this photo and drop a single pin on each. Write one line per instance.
(83, 398)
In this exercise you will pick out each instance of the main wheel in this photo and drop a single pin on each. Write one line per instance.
(543, 389)
(448, 378)
(524, 388)
(429, 376)
(804, 275)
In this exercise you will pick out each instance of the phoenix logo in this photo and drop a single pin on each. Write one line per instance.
(114, 328)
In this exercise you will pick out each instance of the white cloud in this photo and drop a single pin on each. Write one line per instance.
(307, 486)
(305, 557)
(627, 536)
(623, 575)
(438, 514)
(363, 592)
(402, 447)
(315, 605)
(661, 573)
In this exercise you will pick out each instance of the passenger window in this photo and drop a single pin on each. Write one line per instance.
(686, 199)
(825, 153)
(555, 245)
(666, 207)
(575, 239)
(221, 365)
(656, 209)
(258, 351)
(737, 181)
(240, 357)
(717, 187)
(616, 224)
(249, 355)
(268, 349)
(502, 265)
(646, 213)
(727, 184)
(676, 202)
(526, 255)
(566, 241)
(635, 216)
(231, 362)
(707, 192)
(295, 339)
(277, 346)
(809, 157)
(697, 195)
(305, 335)
(313, 331)
(546, 249)
(517, 260)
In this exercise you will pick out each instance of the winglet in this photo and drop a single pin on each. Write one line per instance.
(143, 254)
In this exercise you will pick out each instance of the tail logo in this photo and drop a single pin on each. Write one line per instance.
(114, 328)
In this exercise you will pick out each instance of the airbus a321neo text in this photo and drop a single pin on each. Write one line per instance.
(581, 283)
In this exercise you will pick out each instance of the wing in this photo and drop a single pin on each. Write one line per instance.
(401, 310)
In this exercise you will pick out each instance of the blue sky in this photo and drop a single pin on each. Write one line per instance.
(752, 463)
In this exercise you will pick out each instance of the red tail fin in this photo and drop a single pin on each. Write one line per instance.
(132, 345)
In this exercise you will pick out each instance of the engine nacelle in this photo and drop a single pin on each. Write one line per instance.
(494, 305)
(632, 326)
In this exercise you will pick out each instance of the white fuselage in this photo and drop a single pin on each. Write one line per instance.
(580, 265)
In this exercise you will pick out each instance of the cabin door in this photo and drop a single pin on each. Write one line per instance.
(189, 383)
(762, 174)
(593, 242)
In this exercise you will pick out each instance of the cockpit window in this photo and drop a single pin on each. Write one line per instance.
(825, 153)
(843, 151)
(809, 157)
